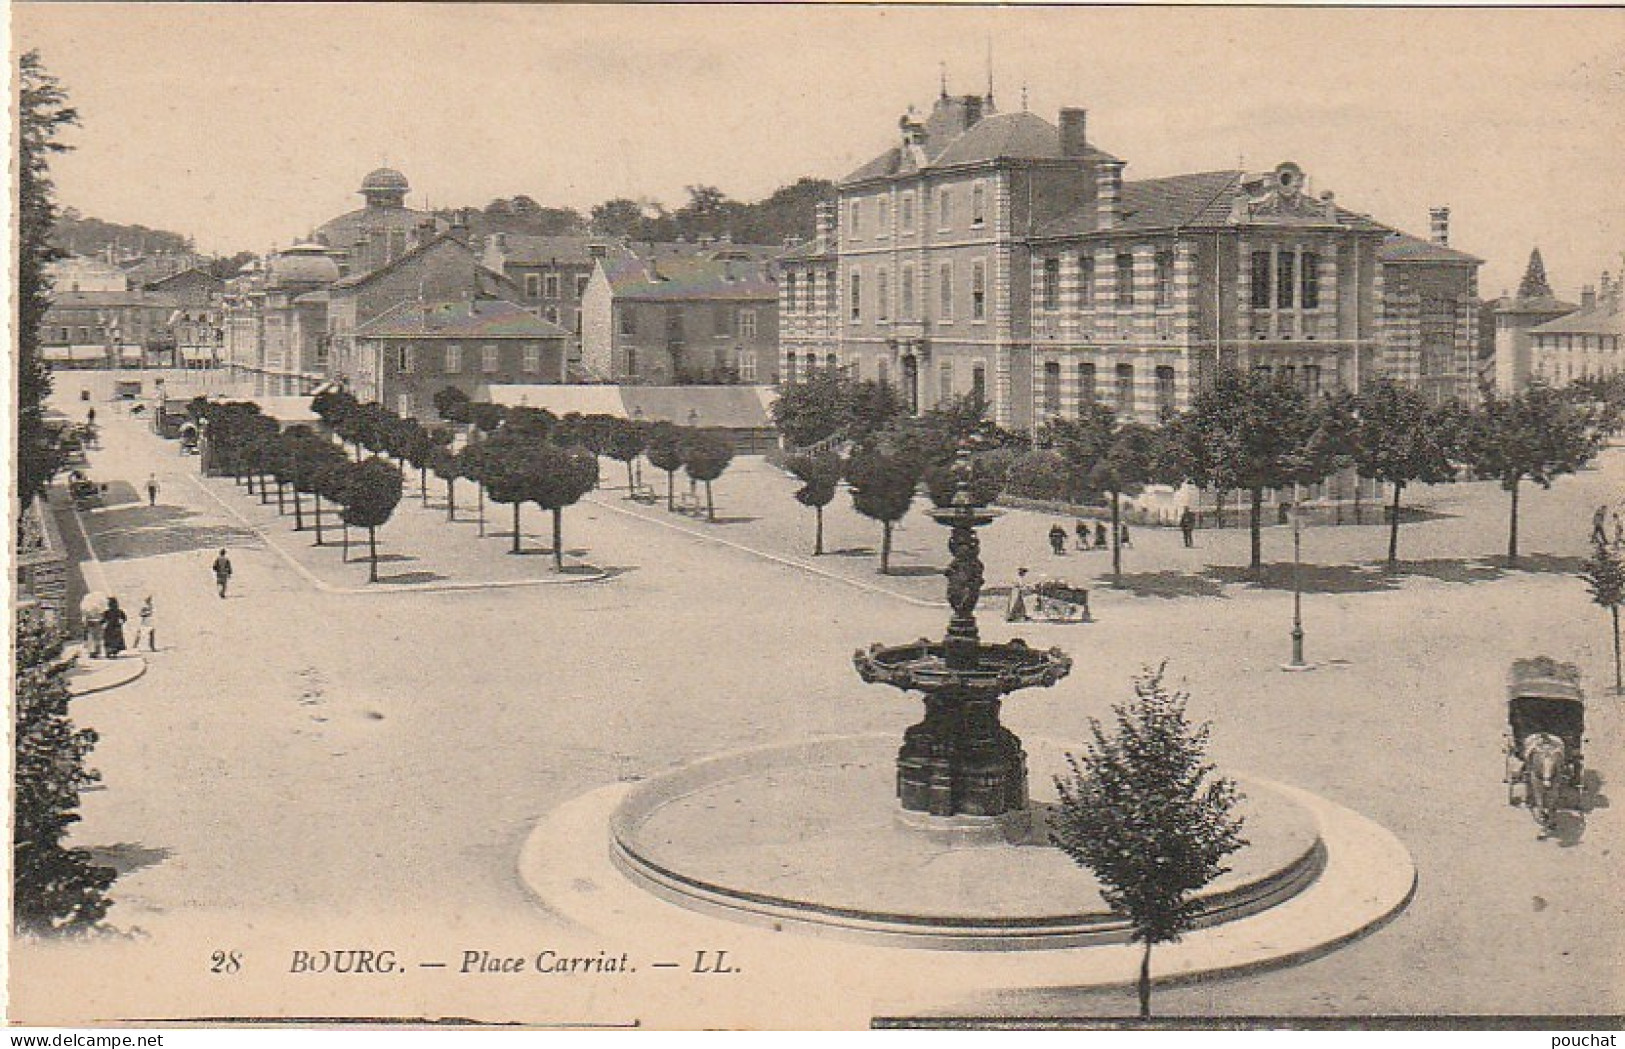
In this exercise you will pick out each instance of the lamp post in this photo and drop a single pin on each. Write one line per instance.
(1297, 663)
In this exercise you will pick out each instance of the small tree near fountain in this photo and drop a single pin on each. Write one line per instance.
(1144, 813)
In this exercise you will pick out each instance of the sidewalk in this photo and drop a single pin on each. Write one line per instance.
(89, 676)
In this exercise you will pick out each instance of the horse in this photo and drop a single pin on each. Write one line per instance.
(1543, 758)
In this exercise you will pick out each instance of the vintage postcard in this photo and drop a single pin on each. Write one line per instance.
(817, 516)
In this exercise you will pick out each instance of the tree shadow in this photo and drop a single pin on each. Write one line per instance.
(912, 571)
(121, 493)
(741, 519)
(1166, 584)
(127, 857)
(1591, 795)
(400, 578)
(852, 551)
(1549, 563)
(1446, 569)
(387, 558)
(1311, 578)
(143, 531)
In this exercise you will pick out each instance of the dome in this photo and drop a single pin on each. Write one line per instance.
(304, 264)
(387, 180)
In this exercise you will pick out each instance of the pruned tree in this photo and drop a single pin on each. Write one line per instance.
(471, 464)
(333, 484)
(883, 488)
(820, 476)
(452, 404)
(664, 450)
(318, 466)
(705, 456)
(562, 475)
(55, 889)
(1537, 435)
(1604, 573)
(1107, 458)
(373, 492)
(625, 440)
(1143, 810)
(828, 404)
(1401, 439)
(443, 461)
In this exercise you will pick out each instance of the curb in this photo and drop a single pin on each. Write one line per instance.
(138, 667)
(774, 558)
(598, 574)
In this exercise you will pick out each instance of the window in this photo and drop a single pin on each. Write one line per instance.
(883, 372)
(628, 321)
(533, 285)
(1086, 282)
(789, 367)
(1052, 388)
(905, 212)
(1311, 281)
(1284, 286)
(1260, 297)
(789, 293)
(404, 406)
(1165, 279)
(747, 367)
(722, 320)
(1052, 285)
(854, 222)
(944, 208)
(550, 286)
(812, 364)
(978, 382)
(832, 362)
(855, 298)
(454, 358)
(1125, 390)
(945, 382)
(883, 217)
(488, 358)
(747, 324)
(978, 291)
(882, 293)
(581, 284)
(577, 320)
(1125, 279)
(551, 314)
(978, 204)
(945, 290)
(1165, 391)
(1087, 394)
(632, 362)
(533, 357)
(403, 358)
(905, 309)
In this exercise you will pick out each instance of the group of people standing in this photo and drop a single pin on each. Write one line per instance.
(1600, 523)
(104, 621)
(1097, 538)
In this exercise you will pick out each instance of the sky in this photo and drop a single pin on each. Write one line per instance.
(247, 125)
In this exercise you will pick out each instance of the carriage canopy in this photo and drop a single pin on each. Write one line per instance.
(1544, 695)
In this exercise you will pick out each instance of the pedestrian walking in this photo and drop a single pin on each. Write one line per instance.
(1057, 539)
(1619, 531)
(1016, 610)
(1122, 535)
(146, 627)
(113, 629)
(1100, 535)
(1187, 526)
(1599, 525)
(90, 416)
(222, 572)
(1082, 529)
(92, 607)
(152, 489)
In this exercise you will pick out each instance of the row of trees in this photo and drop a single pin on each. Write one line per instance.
(1246, 432)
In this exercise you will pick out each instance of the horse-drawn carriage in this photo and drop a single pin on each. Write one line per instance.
(1545, 734)
(1058, 601)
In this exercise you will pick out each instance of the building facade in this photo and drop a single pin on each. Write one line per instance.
(1516, 317)
(551, 274)
(1584, 344)
(108, 329)
(407, 354)
(1004, 255)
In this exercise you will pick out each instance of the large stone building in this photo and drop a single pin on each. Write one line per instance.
(275, 320)
(1000, 253)
(381, 230)
(1515, 317)
(1584, 344)
(108, 329)
(550, 272)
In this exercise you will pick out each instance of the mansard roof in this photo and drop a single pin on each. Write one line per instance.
(997, 136)
(1402, 247)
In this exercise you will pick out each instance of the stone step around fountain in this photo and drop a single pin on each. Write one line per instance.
(808, 837)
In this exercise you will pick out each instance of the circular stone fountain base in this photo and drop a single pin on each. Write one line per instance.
(810, 836)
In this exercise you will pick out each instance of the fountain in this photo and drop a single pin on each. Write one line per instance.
(959, 769)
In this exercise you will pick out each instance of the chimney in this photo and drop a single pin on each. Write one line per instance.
(1588, 296)
(1440, 221)
(1074, 125)
(1108, 194)
(973, 111)
(459, 225)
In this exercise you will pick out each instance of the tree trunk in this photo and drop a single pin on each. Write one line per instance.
(372, 548)
(818, 540)
(281, 506)
(1619, 683)
(423, 484)
(358, 451)
(1512, 527)
(451, 499)
(558, 539)
(1357, 499)
(251, 483)
(1218, 508)
(710, 507)
(671, 490)
(346, 541)
(1393, 528)
(1117, 539)
(298, 512)
(515, 549)
(1145, 982)
(885, 548)
(631, 485)
(1257, 527)
(318, 498)
(265, 496)
(480, 488)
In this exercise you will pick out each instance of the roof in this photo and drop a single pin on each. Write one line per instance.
(82, 299)
(478, 319)
(1540, 304)
(808, 250)
(727, 407)
(385, 178)
(634, 278)
(1604, 318)
(1200, 199)
(1402, 247)
(190, 272)
(355, 280)
(344, 231)
(997, 136)
(523, 249)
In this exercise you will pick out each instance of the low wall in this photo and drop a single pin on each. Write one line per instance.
(42, 563)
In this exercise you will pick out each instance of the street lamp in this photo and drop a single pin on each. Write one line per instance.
(1297, 663)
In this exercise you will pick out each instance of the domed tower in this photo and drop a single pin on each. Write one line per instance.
(385, 188)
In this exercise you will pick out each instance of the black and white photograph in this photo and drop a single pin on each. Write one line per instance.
(793, 517)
